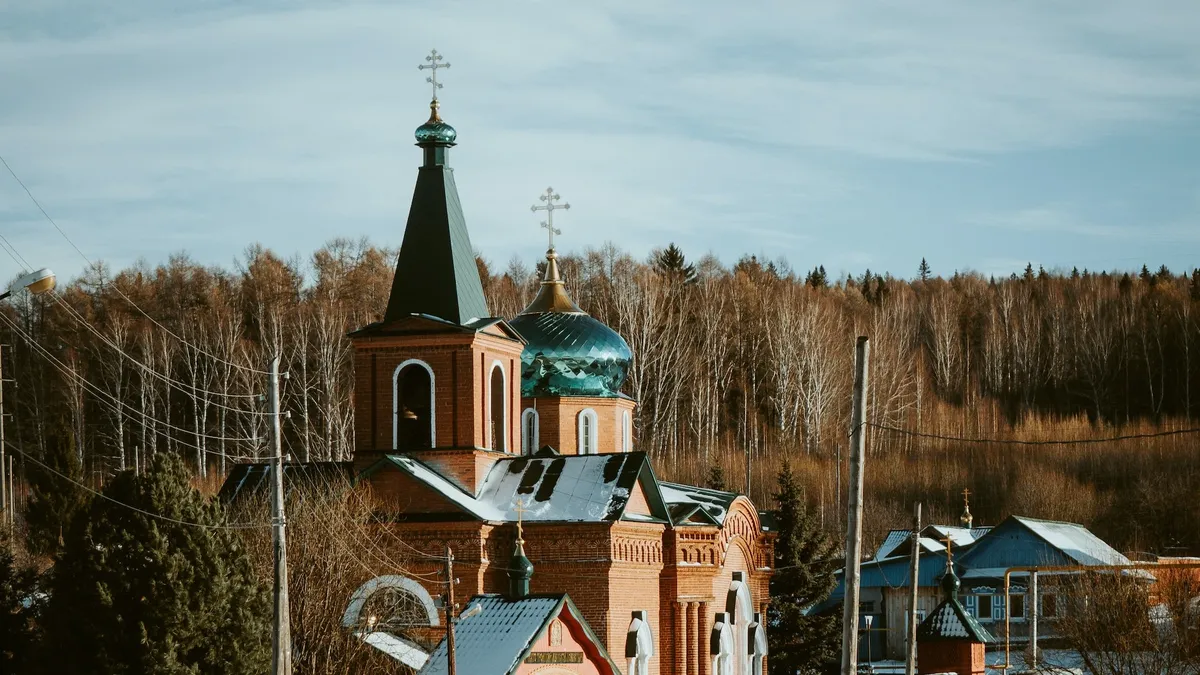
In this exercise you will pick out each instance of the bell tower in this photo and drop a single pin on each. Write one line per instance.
(437, 378)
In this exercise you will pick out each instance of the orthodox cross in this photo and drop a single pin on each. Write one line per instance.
(947, 541)
(550, 197)
(966, 497)
(521, 511)
(434, 60)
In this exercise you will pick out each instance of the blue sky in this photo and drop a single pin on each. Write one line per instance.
(854, 135)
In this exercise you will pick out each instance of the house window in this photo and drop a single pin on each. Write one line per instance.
(497, 435)
(972, 605)
(997, 607)
(413, 421)
(1017, 605)
(866, 607)
(626, 432)
(529, 431)
(587, 432)
(1050, 606)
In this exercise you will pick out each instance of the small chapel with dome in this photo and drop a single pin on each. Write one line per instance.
(510, 443)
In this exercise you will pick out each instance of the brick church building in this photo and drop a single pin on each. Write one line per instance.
(466, 423)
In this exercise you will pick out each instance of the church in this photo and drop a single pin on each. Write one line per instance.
(508, 443)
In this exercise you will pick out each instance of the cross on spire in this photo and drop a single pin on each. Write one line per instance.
(434, 60)
(521, 511)
(550, 207)
(966, 493)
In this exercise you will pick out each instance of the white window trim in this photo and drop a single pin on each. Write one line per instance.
(529, 445)
(396, 402)
(503, 406)
(590, 414)
(626, 432)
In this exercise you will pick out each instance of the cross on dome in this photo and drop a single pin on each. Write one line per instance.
(434, 60)
(521, 511)
(550, 207)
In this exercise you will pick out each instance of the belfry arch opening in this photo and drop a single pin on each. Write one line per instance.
(496, 420)
(412, 406)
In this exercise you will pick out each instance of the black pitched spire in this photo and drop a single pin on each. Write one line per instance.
(435, 271)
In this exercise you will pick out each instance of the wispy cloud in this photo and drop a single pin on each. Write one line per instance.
(147, 127)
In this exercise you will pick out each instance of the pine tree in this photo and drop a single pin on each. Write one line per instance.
(715, 480)
(1196, 284)
(817, 278)
(671, 263)
(132, 593)
(18, 588)
(923, 271)
(55, 499)
(805, 561)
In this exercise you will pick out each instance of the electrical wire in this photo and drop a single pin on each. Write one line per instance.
(188, 389)
(159, 516)
(1000, 441)
(118, 290)
(134, 413)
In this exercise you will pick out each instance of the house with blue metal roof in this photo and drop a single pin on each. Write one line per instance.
(981, 556)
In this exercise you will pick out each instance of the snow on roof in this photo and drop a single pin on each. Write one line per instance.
(951, 622)
(573, 488)
(497, 638)
(714, 502)
(445, 487)
(398, 648)
(958, 536)
(1074, 541)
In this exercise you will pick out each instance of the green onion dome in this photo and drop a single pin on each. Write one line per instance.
(567, 352)
(435, 131)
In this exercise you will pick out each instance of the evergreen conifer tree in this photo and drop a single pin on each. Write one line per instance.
(135, 593)
(1196, 284)
(923, 271)
(805, 561)
(55, 499)
(715, 480)
(671, 263)
(18, 607)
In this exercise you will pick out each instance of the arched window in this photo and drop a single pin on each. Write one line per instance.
(626, 432)
(586, 439)
(412, 406)
(529, 431)
(497, 434)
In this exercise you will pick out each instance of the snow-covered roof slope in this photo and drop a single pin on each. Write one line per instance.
(715, 503)
(950, 621)
(891, 542)
(568, 488)
(1075, 541)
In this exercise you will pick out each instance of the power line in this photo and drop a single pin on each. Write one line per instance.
(1008, 441)
(159, 516)
(114, 401)
(118, 290)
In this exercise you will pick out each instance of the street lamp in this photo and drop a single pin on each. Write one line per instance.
(37, 282)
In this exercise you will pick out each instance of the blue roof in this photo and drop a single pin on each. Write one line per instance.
(499, 638)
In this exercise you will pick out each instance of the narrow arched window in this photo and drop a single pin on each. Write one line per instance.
(529, 431)
(496, 420)
(413, 423)
(587, 432)
(626, 432)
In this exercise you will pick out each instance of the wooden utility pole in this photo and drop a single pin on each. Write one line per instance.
(858, 421)
(914, 568)
(1031, 607)
(4, 497)
(451, 667)
(281, 639)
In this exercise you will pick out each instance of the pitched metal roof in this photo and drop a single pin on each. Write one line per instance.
(950, 621)
(500, 636)
(251, 479)
(714, 503)
(436, 272)
(1074, 541)
(893, 540)
(580, 488)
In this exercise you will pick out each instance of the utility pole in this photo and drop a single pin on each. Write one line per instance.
(281, 639)
(910, 663)
(451, 667)
(1031, 606)
(4, 505)
(858, 421)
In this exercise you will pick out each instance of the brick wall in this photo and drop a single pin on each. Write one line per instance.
(558, 421)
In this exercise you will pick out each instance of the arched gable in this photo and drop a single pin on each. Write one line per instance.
(741, 522)
(352, 617)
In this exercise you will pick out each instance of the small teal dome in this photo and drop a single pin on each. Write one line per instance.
(436, 132)
(571, 354)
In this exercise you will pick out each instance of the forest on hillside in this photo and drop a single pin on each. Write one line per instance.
(1004, 386)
